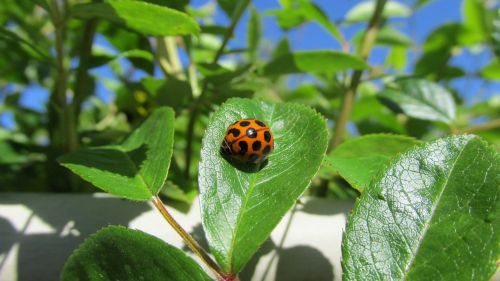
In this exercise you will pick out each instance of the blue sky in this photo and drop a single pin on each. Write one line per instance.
(312, 36)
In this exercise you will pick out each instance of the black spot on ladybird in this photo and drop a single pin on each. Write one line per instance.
(235, 132)
(256, 145)
(253, 157)
(244, 147)
(267, 136)
(244, 123)
(266, 150)
(260, 123)
(251, 133)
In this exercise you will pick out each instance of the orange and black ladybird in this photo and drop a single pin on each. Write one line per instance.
(248, 141)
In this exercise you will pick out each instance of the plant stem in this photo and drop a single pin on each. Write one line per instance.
(493, 124)
(366, 47)
(190, 242)
(82, 77)
(195, 108)
(168, 57)
(66, 117)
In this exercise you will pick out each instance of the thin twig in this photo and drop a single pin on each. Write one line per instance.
(490, 125)
(347, 103)
(188, 239)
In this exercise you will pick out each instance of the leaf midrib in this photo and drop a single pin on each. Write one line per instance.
(428, 223)
(243, 206)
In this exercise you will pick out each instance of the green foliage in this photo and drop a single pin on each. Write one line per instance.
(142, 17)
(383, 103)
(432, 214)
(137, 168)
(359, 160)
(422, 99)
(240, 208)
(313, 62)
(118, 253)
(363, 11)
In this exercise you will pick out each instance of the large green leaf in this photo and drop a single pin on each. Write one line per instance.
(118, 253)
(364, 10)
(137, 168)
(359, 160)
(432, 215)
(422, 99)
(145, 18)
(322, 61)
(240, 209)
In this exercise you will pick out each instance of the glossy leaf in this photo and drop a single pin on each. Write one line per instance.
(313, 61)
(360, 159)
(432, 215)
(422, 99)
(137, 168)
(118, 253)
(364, 10)
(145, 18)
(240, 208)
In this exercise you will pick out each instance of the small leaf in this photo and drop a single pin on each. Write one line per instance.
(492, 70)
(118, 253)
(322, 61)
(422, 99)
(137, 168)
(360, 159)
(228, 6)
(363, 11)
(387, 36)
(240, 209)
(476, 20)
(432, 215)
(145, 18)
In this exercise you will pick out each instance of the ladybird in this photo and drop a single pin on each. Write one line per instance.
(248, 141)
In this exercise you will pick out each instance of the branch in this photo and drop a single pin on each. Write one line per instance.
(492, 124)
(188, 239)
(366, 47)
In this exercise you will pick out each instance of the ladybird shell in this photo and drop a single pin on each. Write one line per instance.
(248, 141)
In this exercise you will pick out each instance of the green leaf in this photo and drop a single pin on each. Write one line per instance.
(422, 99)
(240, 209)
(137, 168)
(253, 34)
(322, 61)
(313, 12)
(492, 70)
(118, 253)
(360, 159)
(363, 11)
(302, 11)
(397, 57)
(476, 20)
(145, 18)
(228, 6)
(432, 215)
(386, 36)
